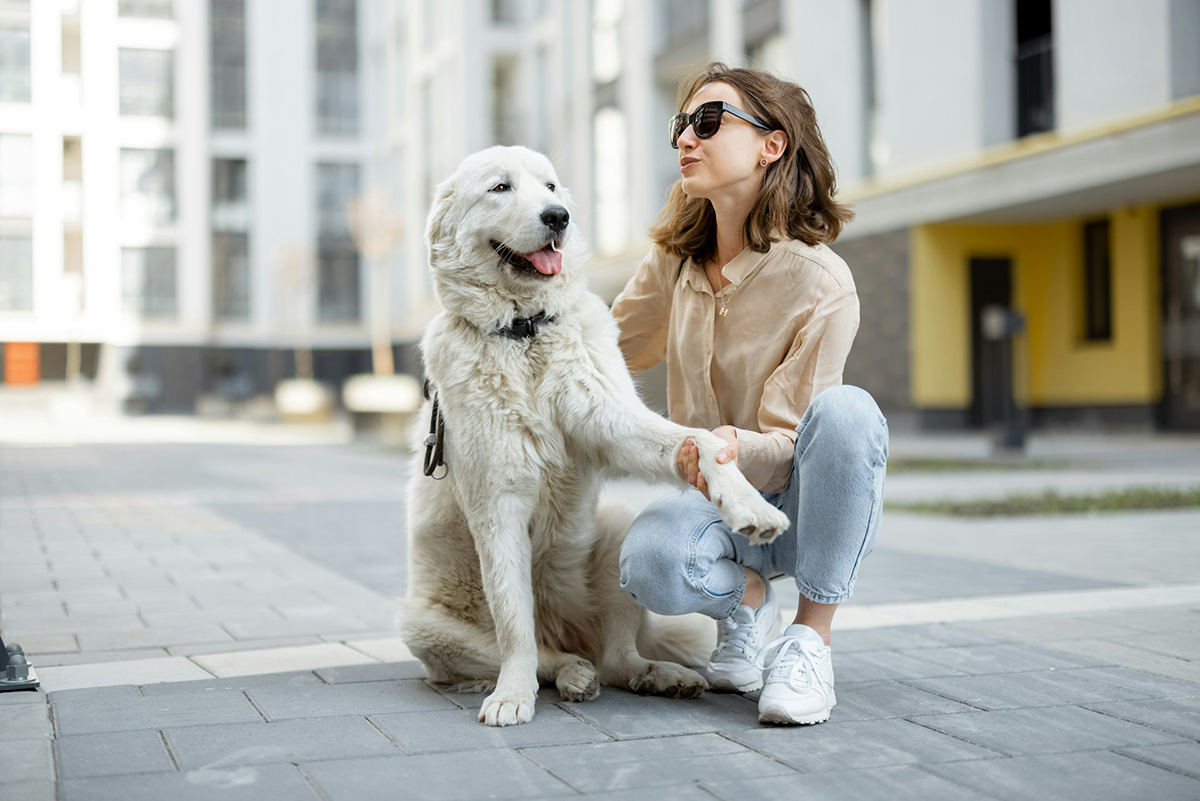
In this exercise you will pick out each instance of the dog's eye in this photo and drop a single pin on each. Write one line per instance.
(550, 186)
(501, 187)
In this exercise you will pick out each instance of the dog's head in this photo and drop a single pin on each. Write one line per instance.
(501, 240)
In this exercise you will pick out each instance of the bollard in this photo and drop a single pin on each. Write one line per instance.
(15, 671)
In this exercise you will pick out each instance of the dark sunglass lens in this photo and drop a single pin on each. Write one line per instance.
(708, 120)
(676, 127)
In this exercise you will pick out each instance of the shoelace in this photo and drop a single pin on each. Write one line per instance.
(735, 640)
(788, 660)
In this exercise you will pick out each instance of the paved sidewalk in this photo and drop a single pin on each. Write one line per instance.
(214, 621)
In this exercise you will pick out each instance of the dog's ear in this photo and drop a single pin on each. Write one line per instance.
(438, 224)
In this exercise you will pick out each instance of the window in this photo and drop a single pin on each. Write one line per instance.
(230, 240)
(1035, 67)
(147, 82)
(505, 12)
(228, 64)
(337, 256)
(14, 65)
(337, 66)
(16, 273)
(156, 9)
(1097, 282)
(16, 175)
(506, 109)
(148, 186)
(148, 281)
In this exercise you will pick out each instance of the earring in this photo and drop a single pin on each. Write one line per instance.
(762, 162)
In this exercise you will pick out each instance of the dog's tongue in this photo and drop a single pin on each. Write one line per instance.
(546, 260)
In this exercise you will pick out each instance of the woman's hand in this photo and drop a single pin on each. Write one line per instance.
(688, 460)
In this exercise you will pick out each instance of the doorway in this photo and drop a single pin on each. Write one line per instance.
(1181, 317)
(991, 400)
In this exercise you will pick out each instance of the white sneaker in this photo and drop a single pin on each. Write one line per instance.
(731, 668)
(799, 683)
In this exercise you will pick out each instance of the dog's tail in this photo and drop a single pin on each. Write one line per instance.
(685, 639)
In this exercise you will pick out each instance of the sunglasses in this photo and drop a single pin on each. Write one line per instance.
(706, 120)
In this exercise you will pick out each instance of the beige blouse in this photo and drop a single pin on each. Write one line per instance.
(791, 316)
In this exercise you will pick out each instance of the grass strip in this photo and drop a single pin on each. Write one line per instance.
(1052, 503)
(933, 465)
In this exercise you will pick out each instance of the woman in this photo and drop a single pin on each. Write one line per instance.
(755, 316)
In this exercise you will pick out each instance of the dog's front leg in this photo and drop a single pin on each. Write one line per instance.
(505, 555)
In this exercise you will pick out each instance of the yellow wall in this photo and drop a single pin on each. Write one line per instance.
(1055, 365)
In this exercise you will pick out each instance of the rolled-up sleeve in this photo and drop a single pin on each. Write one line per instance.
(814, 363)
(643, 310)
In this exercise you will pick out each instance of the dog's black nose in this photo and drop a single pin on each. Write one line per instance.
(556, 218)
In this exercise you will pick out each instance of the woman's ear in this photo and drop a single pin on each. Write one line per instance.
(774, 145)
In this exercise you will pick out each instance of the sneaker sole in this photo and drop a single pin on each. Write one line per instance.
(727, 686)
(780, 716)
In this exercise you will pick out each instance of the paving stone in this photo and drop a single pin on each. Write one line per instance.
(1043, 627)
(138, 671)
(681, 768)
(289, 680)
(1181, 644)
(1091, 775)
(111, 754)
(1016, 690)
(240, 645)
(24, 722)
(459, 730)
(889, 699)
(26, 761)
(674, 792)
(460, 776)
(279, 703)
(200, 747)
(377, 672)
(1019, 732)
(905, 638)
(1003, 658)
(246, 783)
(622, 714)
(152, 638)
(885, 665)
(858, 744)
(1137, 681)
(58, 660)
(49, 644)
(555, 757)
(29, 791)
(1124, 654)
(77, 624)
(1180, 757)
(256, 630)
(1157, 621)
(875, 784)
(1175, 715)
(20, 697)
(92, 715)
(277, 660)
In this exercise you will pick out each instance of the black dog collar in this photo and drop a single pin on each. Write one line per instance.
(525, 327)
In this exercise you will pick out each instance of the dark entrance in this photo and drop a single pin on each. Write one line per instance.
(1181, 317)
(991, 360)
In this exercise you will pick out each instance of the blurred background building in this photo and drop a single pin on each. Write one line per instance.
(176, 178)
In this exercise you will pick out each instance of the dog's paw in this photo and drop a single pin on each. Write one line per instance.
(669, 679)
(578, 681)
(754, 518)
(507, 709)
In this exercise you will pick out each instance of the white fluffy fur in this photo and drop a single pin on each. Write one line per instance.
(513, 574)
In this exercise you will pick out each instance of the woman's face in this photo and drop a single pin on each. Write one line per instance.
(726, 162)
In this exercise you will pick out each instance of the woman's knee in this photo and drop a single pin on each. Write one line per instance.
(848, 415)
(651, 570)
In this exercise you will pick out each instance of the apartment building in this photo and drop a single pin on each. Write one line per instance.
(1042, 156)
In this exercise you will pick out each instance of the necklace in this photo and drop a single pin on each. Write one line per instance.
(725, 296)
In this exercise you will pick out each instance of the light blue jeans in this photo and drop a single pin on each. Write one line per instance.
(679, 555)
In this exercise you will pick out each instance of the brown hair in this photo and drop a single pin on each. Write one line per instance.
(797, 197)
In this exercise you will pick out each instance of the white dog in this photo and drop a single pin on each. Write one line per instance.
(513, 571)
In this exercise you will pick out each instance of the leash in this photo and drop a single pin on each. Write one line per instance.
(435, 443)
(526, 327)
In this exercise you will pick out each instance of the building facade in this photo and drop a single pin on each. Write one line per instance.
(1040, 156)
(175, 178)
